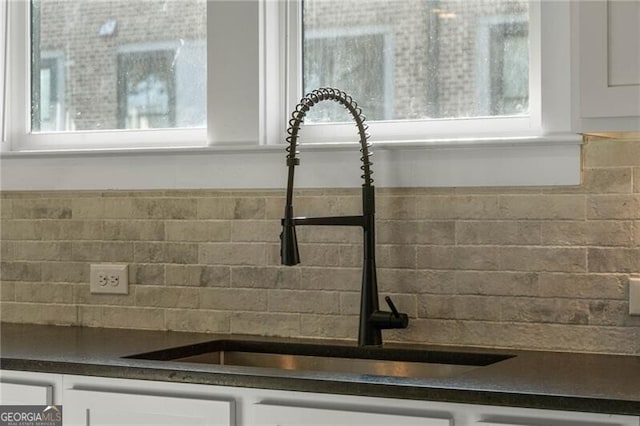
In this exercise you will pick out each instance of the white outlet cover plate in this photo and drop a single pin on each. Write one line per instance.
(634, 296)
(102, 270)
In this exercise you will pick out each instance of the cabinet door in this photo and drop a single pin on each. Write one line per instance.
(282, 415)
(563, 419)
(546, 422)
(91, 407)
(25, 394)
(609, 66)
(29, 388)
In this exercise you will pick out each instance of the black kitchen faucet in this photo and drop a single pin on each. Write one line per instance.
(372, 319)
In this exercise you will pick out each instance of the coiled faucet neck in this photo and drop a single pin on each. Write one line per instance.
(297, 118)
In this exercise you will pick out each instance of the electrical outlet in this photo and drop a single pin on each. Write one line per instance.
(108, 278)
(102, 279)
(113, 280)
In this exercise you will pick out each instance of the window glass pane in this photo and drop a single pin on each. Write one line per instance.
(118, 64)
(418, 59)
(147, 92)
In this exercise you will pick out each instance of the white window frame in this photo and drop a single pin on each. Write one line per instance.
(3, 65)
(248, 107)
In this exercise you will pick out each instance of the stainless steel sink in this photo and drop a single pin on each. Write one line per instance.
(329, 364)
(341, 359)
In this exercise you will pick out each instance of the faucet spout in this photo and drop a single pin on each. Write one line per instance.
(372, 319)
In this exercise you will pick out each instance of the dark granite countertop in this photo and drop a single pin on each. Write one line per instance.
(548, 380)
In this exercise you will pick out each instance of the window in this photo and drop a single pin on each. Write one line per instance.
(156, 81)
(119, 64)
(431, 54)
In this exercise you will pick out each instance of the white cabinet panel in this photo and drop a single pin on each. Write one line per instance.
(98, 408)
(609, 64)
(550, 422)
(29, 388)
(23, 394)
(530, 417)
(623, 25)
(282, 415)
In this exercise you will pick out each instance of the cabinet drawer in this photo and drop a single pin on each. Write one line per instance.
(25, 394)
(568, 419)
(94, 408)
(547, 422)
(284, 415)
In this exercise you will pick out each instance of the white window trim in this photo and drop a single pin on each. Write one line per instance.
(3, 66)
(242, 147)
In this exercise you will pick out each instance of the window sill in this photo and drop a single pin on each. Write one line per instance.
(551, 160)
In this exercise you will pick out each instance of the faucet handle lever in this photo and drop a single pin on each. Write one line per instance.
(394, 311)
(385, 319)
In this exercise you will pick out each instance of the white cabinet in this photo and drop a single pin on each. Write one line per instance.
(102, 402)
(282, 415)
(377, 411)
(557, 422)
(493, 416)
(608, 59)
(18, 394)
(28, 388)
(84, 407)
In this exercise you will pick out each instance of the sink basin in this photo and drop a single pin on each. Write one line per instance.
(377, 361)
